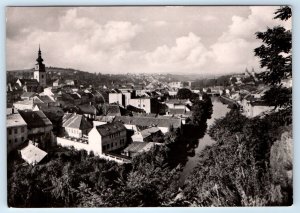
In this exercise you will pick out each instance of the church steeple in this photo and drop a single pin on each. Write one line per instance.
(40, 59)
(40, 69)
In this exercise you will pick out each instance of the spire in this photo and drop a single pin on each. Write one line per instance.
(39, 59)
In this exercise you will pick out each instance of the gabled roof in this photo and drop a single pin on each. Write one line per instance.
(147, 132)
(35, 119)
(46, 99)
(29, 82)
(139, 147)
(32, 154)
(110, 128)
(149, 121)
(28, 94)
(87, 109)
(76, 121)
(13, 120)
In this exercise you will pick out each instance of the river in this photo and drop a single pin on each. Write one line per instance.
(219, 110)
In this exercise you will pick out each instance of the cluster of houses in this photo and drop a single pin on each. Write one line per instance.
(113, 123)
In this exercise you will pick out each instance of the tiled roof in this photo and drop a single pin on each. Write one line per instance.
(13, 120)
(28, 94)
(32, 154)
(139, 147)
(108, 119)
(30, 82)
(177, 101)
(35, 119)
(110, 128)
(113, 110)
(87, 109)
(135, 147)
(46, 99)
(76, 121)
(149, 121)
(147, 132)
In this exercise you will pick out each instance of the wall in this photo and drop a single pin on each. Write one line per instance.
(16, 138)
(73, 132)
(115, 98)
(142, 103)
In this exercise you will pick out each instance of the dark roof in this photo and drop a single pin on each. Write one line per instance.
(147, 132)
(28, 94)
(135, 147)
(29, 82)
(149, 121)
(87, 109)
(35, 119)
(110, 128)
(76, 121)
(113, 110)
(46, 99)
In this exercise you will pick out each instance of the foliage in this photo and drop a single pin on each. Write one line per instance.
(276, 56)
(184, 93)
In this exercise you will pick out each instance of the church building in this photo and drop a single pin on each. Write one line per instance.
(39, 70)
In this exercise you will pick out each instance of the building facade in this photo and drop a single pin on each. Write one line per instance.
(16, 131)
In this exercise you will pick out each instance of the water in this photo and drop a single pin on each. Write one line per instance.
(219, 110)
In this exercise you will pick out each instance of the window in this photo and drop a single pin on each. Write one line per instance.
(22, 129)
(112, 145)
(42, 76)
(22, 139)
(139, 105)
(16, 131)
(9, 131)
(108, 146)
(143, 105)
(16, 140)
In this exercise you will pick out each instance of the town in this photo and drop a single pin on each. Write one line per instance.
(117, 107)
(115, 122)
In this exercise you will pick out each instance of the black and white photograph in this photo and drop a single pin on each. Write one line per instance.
(149, 106)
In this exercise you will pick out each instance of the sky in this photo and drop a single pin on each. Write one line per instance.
(161, 39)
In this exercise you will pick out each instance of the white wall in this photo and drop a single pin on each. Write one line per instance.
(142, 103)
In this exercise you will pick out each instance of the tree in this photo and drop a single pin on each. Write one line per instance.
(276, 56)
(184, 93)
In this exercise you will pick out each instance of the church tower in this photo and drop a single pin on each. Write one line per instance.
(39, 70)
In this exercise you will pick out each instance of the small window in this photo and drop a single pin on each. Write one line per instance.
(16, 131)
(9, 131)
(22, 139)
(108, 146)
(22, 129)
(42, 76)
(16, 140)
(143, 105)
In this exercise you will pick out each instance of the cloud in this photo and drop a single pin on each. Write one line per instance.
(188, 52)
(118, 40)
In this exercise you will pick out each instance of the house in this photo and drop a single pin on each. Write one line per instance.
(70, 82)
(116, 97)
(39, 127)
(136, 148)
(144, 122)
(29, 85)
(88, 110)
(101, 139)
(16, 130)
(57, 83)
(27, 95)
(179, 104)
(149, 105)
(32, 154)
(75, 125)
(252, 105)
(108, 137)
(176, 84)
(147, 135)
(24, 105)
